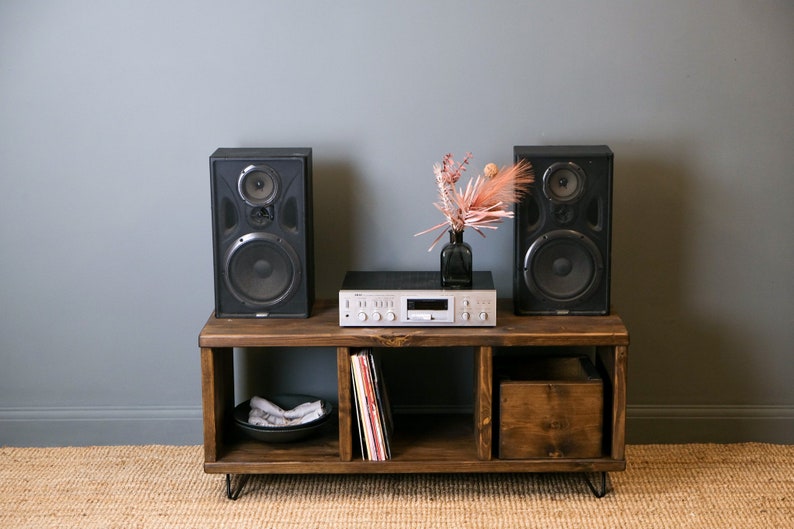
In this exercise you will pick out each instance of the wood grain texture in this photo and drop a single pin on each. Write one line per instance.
(322, 330)
(557, 412)
(345, 405)
(217, 392)
(483, 402)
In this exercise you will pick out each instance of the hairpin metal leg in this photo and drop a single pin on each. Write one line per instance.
(233, 495)
(598, 492)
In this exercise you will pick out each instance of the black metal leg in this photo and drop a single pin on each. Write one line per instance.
(233, 495)
(602, 490)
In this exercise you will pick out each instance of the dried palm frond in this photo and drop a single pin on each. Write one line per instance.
(484, 202)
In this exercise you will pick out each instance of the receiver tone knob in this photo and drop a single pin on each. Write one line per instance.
(390, 316)
(362, 316)
(376, 316)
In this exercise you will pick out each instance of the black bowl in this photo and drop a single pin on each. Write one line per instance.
(281, 434)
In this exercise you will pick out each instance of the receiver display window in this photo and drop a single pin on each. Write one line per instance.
(427, 304)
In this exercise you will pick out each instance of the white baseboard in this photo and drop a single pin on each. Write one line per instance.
(181, 425)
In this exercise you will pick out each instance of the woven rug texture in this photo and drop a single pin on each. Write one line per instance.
(705, 486)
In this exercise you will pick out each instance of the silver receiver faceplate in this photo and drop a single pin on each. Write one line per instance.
(414, 299)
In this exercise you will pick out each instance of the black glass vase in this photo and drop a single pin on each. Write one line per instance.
(456, 262)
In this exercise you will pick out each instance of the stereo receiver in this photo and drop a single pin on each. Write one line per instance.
(411, 299)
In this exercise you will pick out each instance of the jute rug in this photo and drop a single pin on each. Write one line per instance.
(664, 486)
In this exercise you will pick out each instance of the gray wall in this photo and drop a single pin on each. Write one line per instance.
(109, 111)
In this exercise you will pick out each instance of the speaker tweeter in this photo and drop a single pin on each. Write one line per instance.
(563, 232)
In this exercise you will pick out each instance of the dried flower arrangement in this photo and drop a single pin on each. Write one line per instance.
(485, 200)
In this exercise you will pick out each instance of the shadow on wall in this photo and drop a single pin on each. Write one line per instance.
(334, 225)
(268, 372)
(680, 358)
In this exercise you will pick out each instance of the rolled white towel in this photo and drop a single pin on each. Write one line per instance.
(258, 421)
(312, 415)
(259, 418)
(303, 409)
(266, 406)
(266, 413)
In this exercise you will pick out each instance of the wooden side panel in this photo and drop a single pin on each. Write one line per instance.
(483, 402)
(217, 391)
(614, 361)
(345, 407)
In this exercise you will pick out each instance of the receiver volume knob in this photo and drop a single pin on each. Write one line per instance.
(483, 316)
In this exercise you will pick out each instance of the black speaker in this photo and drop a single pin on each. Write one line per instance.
(563, 231)
(263, 246)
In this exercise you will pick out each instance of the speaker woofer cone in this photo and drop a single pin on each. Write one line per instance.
(262, 270)
(563, 266)
(258, 185)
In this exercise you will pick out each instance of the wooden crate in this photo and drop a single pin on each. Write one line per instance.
(550, 407)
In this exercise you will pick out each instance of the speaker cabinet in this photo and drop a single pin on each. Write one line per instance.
(563, 231)
(263, 247)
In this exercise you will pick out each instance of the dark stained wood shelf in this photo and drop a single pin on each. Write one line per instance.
(322, 329)
(457, 443)
(447, 447)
